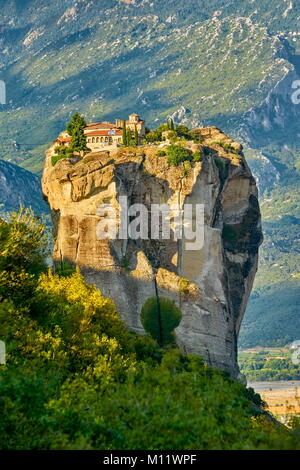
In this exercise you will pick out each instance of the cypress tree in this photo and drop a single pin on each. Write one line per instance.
(136, 136)
(172, 126)
(129, 137)
(75, 129)
(125, 142)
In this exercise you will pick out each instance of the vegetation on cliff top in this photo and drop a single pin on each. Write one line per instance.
(177, 153)
(75, 129)
(76, 378)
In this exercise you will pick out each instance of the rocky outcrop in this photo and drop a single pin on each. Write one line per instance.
(211, 285)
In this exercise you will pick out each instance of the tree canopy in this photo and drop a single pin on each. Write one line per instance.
(75, 129)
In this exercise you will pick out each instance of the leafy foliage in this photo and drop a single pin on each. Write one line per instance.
(177, 154)
(61, 153)
(197, 156)
(76, 378)
(160, 316)
(23, 247)
(124, 130)
(75, 129)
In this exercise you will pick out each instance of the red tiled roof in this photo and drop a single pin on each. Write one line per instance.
(105, 132)
(63, 139)
(102, 125)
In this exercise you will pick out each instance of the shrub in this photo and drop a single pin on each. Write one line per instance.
(56, 158)
(183, 131)
(197, 137)
(226, 146)
(61, 152)
(197, 157)
(184, 285)
(22, 256)
(172, 136)
(161, 153)
(186, 168)
(152, 137)
(64, 269)
(160, 316)
(177, 155)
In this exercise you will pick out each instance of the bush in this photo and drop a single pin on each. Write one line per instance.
(172, 136)
(160, 316)
(186, 168)
(197, 157)
(184, 285)
(197, 137)
(226, 146)
(56, 158)
(161, 153)
(64, 269)
(22, 256)
(152, 137)
(177, 155)
(184, 132)
(61, 152)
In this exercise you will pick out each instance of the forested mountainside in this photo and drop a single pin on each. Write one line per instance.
(226, 63)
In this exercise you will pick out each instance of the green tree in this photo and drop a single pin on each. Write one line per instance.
(75, 129)
(160, 316)
(124, 130)
(23, 250)
(136, 136)
(171, 125)
(129, 137)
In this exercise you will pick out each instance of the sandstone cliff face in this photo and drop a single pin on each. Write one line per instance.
(211, 285)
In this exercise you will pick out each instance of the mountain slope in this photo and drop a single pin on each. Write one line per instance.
(217, 61)
(19, 187)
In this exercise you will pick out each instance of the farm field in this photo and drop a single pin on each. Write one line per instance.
(282, 397)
